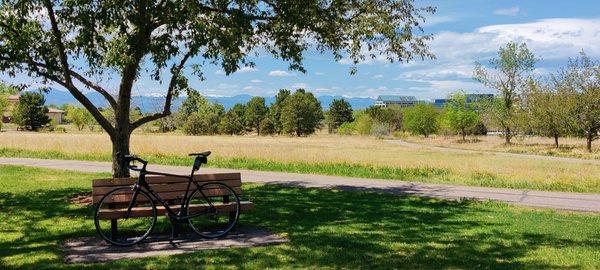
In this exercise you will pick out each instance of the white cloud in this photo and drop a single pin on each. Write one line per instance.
(240, 70)
(512, 11)
(319, 73)
(281, 73)
(377, 76)
(299, 85)
(246, 69)
(256, 81)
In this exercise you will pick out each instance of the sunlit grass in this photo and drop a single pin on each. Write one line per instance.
(568, 147)
(333, 155)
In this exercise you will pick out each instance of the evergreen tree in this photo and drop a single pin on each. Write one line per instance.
(255, 112)
(30, 112)
(277, 107)
(340, 112)
(301, 114)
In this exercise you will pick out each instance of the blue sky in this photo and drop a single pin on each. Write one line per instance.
(464, 32)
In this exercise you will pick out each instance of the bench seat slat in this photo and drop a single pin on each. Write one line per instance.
(166, 195)
(153, 179)
(106, 214)
(100, 191)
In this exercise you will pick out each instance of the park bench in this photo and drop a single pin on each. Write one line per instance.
(170, 189)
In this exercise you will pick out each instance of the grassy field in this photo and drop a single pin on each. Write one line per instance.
(335, 155)
(326, 228)
(568, 147)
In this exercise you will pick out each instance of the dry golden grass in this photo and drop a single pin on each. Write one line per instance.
(317, 149)
(568, 147)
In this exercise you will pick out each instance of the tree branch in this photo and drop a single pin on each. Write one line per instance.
(68, 83)
(170, 92)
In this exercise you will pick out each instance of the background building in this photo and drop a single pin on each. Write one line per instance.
(402, 101)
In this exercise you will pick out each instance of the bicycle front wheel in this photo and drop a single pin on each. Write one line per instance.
(118, 226)
(214, 209)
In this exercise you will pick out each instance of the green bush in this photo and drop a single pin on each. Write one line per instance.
(348, 128)
(421, 119)
(363, 124)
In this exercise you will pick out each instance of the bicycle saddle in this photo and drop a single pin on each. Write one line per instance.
(206, 154)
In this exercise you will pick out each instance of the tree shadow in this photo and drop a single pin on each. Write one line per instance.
(326, 228)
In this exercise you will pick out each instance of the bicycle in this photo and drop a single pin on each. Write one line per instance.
(198, 208)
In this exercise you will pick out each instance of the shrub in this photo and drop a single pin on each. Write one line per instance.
(380, 130)
(363, 124)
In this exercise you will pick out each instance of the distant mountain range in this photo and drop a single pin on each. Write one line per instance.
(150, 104)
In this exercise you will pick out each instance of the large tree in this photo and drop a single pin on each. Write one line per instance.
(301, 114)
(581, 79)
(78, 44)
(510, 75)
(549, 110)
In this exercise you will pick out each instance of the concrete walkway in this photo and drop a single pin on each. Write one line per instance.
(544, 199)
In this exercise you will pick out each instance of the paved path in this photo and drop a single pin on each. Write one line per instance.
(505, 154)
(556, 200)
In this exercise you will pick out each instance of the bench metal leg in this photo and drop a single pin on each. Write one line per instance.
(113, 229)
(113, 225)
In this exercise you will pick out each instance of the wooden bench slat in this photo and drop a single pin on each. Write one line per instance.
(159, 188)
(166, 195)
(147, 211)
(154, 179)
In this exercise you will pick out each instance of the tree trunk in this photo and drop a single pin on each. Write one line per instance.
(120, 146)
(556, 140)
(589, 142)
(464, 135)
(507, 136)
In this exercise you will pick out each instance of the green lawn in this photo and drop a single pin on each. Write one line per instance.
(327, 229)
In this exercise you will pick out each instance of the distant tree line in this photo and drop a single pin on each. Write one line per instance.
(566, 103)
(298, 113)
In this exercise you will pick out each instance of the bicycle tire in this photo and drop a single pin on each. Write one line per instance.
(110, 239)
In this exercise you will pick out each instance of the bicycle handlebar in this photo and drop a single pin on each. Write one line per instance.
(130, 158)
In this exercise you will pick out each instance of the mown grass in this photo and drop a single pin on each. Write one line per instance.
(417, 174)
(327, 229)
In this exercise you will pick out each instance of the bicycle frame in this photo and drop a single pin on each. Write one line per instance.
(141, 183)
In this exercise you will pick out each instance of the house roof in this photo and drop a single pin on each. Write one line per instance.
(54, 110)
(395, 98)
(13, 97)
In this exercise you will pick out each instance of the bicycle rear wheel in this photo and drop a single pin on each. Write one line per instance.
(215, 209)
(119, 227)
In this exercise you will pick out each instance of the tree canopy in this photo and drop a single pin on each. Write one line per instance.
(80, 45)
(460, 114)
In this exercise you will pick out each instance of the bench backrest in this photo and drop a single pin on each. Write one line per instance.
(170, 189)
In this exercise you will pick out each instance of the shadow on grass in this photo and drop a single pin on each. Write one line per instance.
(327, 228)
